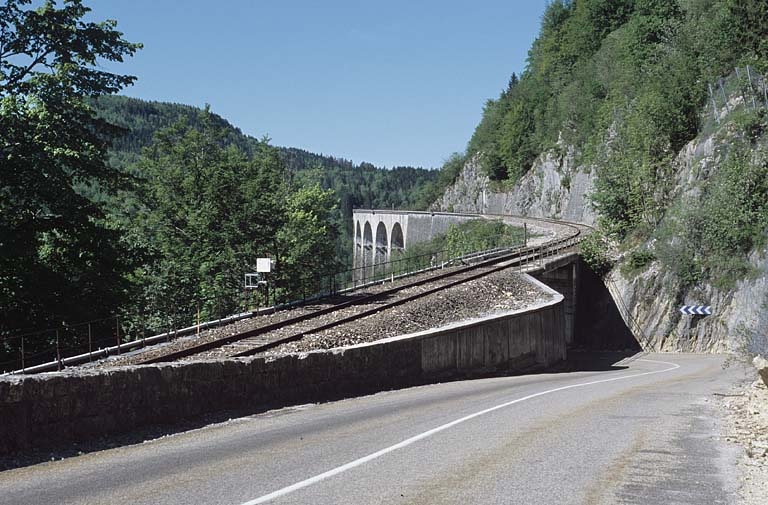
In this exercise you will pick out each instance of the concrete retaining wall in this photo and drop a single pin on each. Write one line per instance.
(50, 409)
(563, 276)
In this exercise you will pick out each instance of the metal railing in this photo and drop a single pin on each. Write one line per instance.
(71, 344)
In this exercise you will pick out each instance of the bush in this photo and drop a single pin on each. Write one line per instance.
(708, 238)
(481, 235)
(594, 252)
(637, 260)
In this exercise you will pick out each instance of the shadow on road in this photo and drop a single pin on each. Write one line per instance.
(579, 360)
(597, 361)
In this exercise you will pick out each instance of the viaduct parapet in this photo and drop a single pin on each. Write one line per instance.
(381, 235)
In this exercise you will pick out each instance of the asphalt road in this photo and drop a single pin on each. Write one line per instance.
(648, 433)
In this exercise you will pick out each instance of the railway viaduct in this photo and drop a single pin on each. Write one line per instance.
(42, 410)
(591, 318)
(381, 235)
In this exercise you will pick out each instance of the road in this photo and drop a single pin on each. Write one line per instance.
(646, 433)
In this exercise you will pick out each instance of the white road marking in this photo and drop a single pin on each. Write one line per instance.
(405, 443)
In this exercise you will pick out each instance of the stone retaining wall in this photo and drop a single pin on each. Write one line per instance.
(50, 409)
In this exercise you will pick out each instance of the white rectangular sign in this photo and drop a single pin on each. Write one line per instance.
(263, 265)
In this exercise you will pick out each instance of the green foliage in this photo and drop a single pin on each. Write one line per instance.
(747, 27)
(709, 237)
(423, 254)
(306, 242)
(623, 82)
(735, 202)
(556, 95)
(594, 252)
(640, 258)
(452, 167)
(139, 120)
(637, 260)
(459, 240)
(485, 140)
(208, 211)
(481, 235)
(677, 240)
(357, 186)
(60, 256)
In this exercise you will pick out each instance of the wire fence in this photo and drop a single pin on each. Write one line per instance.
(745, 87)
(119, 333)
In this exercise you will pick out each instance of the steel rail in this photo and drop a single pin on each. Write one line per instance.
(379, 308)
(515, 258)
(525, 255)
(229, 339)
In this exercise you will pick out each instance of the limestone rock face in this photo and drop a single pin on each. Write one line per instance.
(652, 298)
(554, 187)
(649, 300)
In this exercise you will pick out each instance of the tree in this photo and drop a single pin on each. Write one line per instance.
(208, 212)
(58, 254)
(748, 27)
(307, 241)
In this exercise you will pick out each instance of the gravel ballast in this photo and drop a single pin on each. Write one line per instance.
(496, 293)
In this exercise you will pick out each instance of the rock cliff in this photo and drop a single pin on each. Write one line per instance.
(648, 298)
(651, 298)
(554, 187)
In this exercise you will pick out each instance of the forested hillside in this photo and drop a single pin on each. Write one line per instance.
(357, 186)
(659, 109)
(119, 215)
(622, 83)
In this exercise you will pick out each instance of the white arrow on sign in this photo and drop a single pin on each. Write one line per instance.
(698, 310)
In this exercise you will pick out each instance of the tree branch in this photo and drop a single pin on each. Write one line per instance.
(16, 79)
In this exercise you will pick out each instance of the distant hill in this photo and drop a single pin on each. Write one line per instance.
(357, 185)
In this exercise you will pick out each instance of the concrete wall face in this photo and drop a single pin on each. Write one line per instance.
(565, 280)
(46, 410)
(376, 243)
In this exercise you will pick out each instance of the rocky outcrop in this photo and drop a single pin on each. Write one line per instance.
(762, 368)
(554, 187)
(648, 299)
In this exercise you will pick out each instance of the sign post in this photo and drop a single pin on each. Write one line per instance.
(258, 279)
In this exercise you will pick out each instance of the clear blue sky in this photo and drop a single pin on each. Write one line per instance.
(393, 82)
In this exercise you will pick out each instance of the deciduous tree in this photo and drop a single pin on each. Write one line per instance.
(58, 255)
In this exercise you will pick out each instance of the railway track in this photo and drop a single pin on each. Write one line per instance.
(264, 332)
(264, 341)
(268, 336)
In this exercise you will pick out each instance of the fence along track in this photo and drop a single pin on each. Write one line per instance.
(249, 342)
(254, 345)
(517, 257)
(260, 346)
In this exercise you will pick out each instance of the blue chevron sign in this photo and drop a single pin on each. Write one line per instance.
(699, 310)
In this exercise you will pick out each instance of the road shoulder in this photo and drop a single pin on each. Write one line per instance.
(746, 426)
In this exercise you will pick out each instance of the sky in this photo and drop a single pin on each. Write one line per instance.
(392, 82)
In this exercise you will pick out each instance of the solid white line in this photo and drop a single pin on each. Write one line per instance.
(405, 443)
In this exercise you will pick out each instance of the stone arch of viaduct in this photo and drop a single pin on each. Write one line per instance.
(382, 235)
